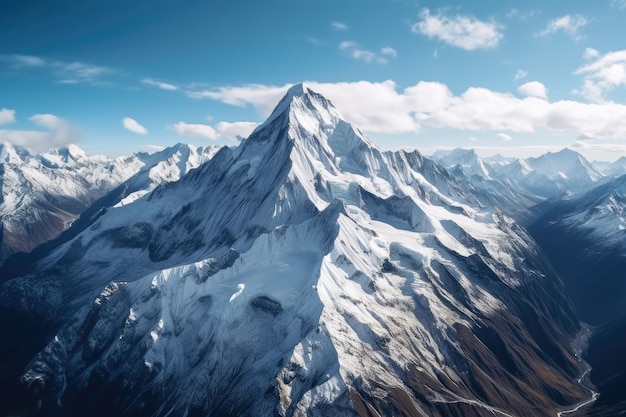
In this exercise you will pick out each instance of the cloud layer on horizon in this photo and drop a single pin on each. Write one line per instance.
(222, 130)
(60, 133)
(381, 107)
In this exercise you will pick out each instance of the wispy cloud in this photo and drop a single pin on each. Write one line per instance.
(603, 74)
(7, 116)
(355, 51)
(569, 24)
(133, 126)
(618, 4)
(339, 26)
(63, 72)
(261, 96)
(78, 72)
(520, 74)
(389, 51)
(380, 108)
(23, 60)
(227, 130)
(59, 133)
(519, 15)
(464, 32)
(159, 84)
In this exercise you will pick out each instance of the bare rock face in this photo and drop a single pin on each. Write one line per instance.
(304, 273)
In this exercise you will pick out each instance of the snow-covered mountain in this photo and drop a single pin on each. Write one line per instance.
(518, 185)
(464, 159)
(491, 190)
(498, 159)
(304, 273)
(586, 233)
(612, 169)
(42, 194)
(552, 173)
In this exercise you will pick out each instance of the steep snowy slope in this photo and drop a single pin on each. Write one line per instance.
(305, 273)
(586, 230)
(42, 194)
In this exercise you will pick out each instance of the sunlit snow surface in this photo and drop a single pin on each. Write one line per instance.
(42, 194)
(305, 259)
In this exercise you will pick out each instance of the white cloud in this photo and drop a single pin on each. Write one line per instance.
(357, 53)
(521, 74)
(534, 89)
(227, 130)
(504, 136)
(263, 97)
(582, 145)
(60, 133)
(347, 45)
(235, 130)
(339, 26)
(570, 24)
(7, 116)
(155, 148)
(195, 130)
(379, 107)
(133, 126)
(353, 50)
(603, 75)
(591, 53)
(159, 84)
(389, 51)
(465, 32)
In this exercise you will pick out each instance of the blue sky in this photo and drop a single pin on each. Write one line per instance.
(518, 78)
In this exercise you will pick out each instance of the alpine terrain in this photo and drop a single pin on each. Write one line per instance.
(584, 233)
(305, 272)
(44, 194)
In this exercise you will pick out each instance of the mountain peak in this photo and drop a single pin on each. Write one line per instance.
(303, 108)
(10, 153)
(298, 90)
